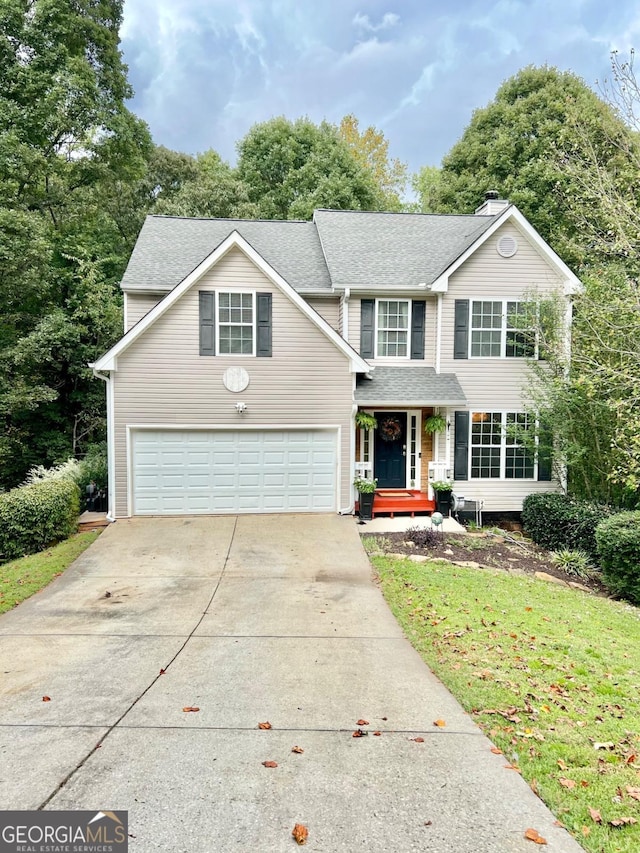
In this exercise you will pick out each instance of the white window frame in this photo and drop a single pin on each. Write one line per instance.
(220, 325)
(504, 413)
(504, 329)
(377, 329)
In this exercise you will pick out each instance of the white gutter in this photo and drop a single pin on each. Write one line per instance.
(111, 443)
(438, 332)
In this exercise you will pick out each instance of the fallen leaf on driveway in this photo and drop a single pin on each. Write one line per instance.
(377, 734)
(264, 725)
(190, 709)
(300, 833)
(595, 815)
(417, 739)
(362, 723)
(496, 751)
(46, 698)
(359, 733)
(567, 783)
(440, 723)
(297, 749)
(269, 763)
(533, 835)
(622, 821)
(162, 671)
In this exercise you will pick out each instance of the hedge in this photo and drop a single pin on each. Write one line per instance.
(34, 516)
(618, 541)
(555, 521)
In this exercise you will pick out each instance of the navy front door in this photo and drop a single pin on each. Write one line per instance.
(390, 452)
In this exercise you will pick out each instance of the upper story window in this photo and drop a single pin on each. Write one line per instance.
(502, 329)
(392, 328)
(235, 323)
(236, 317)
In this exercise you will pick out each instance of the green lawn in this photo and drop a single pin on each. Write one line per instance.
(21, 578)
(552, 675)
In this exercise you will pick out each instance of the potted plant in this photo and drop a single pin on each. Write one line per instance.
(367, 492)
(443, 489)
(365, 421)
(435, 423)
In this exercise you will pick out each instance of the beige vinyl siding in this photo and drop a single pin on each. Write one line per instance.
(430, 326)
(136, 305)
(327, 308)
(495, 384)
(162, 379)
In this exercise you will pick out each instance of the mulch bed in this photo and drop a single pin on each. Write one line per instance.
(510, 552)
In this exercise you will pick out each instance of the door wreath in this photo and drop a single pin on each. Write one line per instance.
(390, 429)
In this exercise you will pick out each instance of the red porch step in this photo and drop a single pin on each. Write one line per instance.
(391, 501)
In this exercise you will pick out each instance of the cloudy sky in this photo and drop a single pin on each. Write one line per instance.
(204, 71)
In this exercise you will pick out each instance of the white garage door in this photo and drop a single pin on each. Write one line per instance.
(184, 472)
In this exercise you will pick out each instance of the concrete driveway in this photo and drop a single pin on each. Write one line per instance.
(250, 619)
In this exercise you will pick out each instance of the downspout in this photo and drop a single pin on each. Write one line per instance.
(438, 332)
(111, 479)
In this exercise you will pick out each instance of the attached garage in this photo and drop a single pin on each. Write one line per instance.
(176, 472)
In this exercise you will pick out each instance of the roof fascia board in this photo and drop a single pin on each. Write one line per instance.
(572, 283)
(422, 401)
(235, 240)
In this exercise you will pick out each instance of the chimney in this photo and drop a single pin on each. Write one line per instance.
(492, 204)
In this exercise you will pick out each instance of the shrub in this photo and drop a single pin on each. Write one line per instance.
(618, 541)
(423, 537)
(575, 563)
(93, 468)
(555, 521)
(34, 516)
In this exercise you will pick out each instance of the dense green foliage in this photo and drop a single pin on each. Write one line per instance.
(292, 167)
(34, 516)
(618, 541)
(558, 522)
(516, 145)
(570, 161)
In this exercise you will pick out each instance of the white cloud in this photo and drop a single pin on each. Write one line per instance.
(389, 19)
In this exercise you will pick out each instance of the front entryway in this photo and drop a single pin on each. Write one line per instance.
(390, 454)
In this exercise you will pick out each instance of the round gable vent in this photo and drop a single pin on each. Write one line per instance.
(507, 246)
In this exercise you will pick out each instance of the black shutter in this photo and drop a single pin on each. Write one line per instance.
(461, 447)
(461, 329)
(263, 325)
(544, 453)
(207, 323)
(417, 328)
(367, 330)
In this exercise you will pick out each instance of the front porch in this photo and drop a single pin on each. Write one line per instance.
(393, 502)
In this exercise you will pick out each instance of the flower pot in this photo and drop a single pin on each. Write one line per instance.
(365, 503)
(443, 502)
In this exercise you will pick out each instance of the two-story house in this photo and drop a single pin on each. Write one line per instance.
(249, 347)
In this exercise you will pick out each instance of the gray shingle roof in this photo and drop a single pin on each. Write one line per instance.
(411, 386)
(169, 248)
(393, 249)
(338, 249)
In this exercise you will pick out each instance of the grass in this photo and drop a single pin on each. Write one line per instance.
(551, 675)
(19, 579)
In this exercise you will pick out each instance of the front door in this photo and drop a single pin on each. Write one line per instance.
(390, 453)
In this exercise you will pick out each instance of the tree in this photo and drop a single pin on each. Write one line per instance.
(65, 138)
(291, 168)
(371, 150)
(515, 145)
(213, 189)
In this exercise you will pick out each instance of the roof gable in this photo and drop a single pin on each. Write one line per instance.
(109, 360)
(572, 283)
(168, 248)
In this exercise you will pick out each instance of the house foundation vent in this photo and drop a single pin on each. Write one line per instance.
(507, 246)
